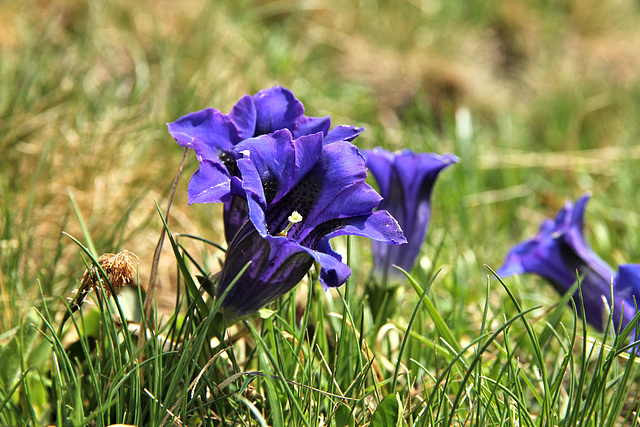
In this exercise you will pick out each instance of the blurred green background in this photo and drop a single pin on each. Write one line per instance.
(539, 99)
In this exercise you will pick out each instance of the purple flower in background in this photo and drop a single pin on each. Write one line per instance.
(213, 135)
(406, 181)
(626, 294)
(559, 253)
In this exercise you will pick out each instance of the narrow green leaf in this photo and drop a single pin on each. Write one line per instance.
(440, 324)
(553, 319)
(83, 225)
(408, 331)
(188, 279)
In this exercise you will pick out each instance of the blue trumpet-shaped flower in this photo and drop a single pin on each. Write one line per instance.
(560, 254)
(213, 136)
(406, 180)
(298, 193)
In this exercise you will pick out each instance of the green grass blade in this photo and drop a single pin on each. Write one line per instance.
(440, 324)
(85, 231)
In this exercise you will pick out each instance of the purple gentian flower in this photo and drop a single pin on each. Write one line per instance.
(297, 193)
(406, 181)
(560, 254)
(213, 135)
(321, 185)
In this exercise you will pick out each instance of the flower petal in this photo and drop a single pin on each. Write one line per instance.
(277, 265)
(244, 116)
(380, 163)
(379, 226)
(333, 272)
(235, 215)
(339, 167)
(211, 183)
(308, 150)
(342, 133)
(417, 174)
(627, 282)
(545, 255)
(255, 195)
(207, 131)
(575, 238)
(276, 108)
(310, 125)
(275, 167)
(274, 160)
(355, 219)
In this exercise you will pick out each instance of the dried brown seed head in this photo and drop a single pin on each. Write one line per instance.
(120, 268)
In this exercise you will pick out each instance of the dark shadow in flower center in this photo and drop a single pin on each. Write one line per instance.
(312, 239)
(229, 161)
(301, 198)
(269, 186)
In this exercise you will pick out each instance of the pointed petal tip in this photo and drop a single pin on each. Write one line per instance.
(451, 158)
(334, 278)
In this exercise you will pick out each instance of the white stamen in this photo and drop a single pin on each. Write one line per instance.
(294, 218)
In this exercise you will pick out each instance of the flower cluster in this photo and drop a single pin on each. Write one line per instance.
(560, 254)
(289, 184)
